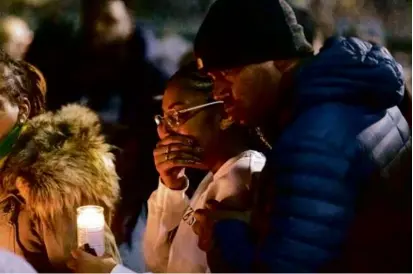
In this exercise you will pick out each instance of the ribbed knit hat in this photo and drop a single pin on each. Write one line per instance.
(241, 32)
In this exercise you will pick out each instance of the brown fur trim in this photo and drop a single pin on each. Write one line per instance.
(64, 163)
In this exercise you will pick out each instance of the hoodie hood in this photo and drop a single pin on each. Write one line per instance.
(62, 160)
(351, 71)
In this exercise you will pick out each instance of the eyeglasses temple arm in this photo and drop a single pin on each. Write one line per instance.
(200, 106)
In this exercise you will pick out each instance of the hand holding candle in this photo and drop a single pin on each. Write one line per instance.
(83, 262)
(90, 228)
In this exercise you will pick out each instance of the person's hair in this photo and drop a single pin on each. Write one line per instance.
(90, 9)
(190, 78)
(21, 80)
(95, 5)
(187, 58)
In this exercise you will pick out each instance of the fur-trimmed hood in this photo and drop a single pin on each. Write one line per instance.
(61, 161)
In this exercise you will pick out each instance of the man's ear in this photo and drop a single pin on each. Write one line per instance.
(24, 110)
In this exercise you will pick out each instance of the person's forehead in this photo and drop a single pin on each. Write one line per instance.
(176, 96)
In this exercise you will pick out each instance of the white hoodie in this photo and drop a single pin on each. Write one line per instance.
(170, 211)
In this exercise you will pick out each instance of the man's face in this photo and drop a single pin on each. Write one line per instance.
(112, 23)
(248, 92)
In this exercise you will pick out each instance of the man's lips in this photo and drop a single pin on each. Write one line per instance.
(229, 105)
(230, 110)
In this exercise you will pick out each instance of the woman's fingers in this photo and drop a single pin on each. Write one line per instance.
(206, 241)
(165, 149)
(78, 255)
(177, 151)
(167, 165)
(201, 217)
(83, 262)
(173, 139)
(178, 155)
(203, 227)
(71, 264)
(212, 204)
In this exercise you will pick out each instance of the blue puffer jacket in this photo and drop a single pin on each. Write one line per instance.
(348, 131)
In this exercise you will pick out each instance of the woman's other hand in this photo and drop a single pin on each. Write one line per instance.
(207, 217)
(172, 155)
(83, 262)
(206, 220)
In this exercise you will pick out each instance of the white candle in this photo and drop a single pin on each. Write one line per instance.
(90, 228)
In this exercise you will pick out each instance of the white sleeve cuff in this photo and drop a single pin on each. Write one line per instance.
(167, 198)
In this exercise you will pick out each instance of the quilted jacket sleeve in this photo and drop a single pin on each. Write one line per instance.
(315, 200)
(317, 174)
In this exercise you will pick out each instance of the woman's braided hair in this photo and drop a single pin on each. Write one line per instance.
(20, 80)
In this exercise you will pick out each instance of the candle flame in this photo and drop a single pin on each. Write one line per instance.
(90, 217)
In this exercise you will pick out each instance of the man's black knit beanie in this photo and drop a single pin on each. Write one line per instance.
(241, 32)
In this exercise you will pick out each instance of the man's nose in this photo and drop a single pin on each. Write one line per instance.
(222, 88)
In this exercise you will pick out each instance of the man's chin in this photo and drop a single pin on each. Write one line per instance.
(241, 119)
(237, 119)
(248, 122)
(238, 116)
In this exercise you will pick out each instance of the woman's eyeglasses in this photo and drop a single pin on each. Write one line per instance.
(173, 118)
